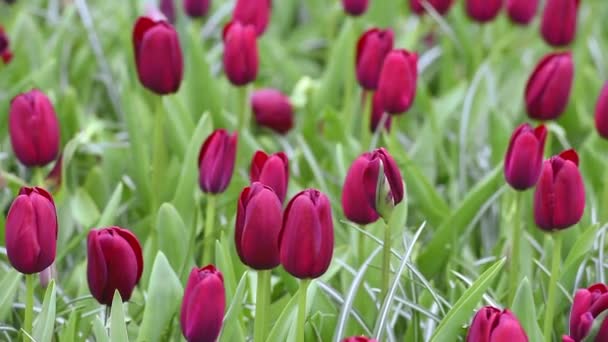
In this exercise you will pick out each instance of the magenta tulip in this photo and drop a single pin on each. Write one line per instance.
(397, 84)
(5, 51)
(587, 305)
(522, 11)
(196, 8)
(483, 11)
(240, 53)
(253, 12)
(524, 158)
(271, 170)
(167, 7)
(558, 25)
(377, 114)
(601, 112)
(355, 7)
(548, 88)
(273, 110)
(493, 325)
(216, 161)
(359, 339)
(372, 48)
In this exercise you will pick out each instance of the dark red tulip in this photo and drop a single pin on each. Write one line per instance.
(558, 25)
(196, 8)
(359, 339)
(524, 158)
(34, 128)
(158, 55)
(257, 228)
(240, 53)
(203, 305)
(588, 304)
(377, 114)
(253, 12)
(601, 112)
(167, 7)
(5, 51)
(372, 48)
(307, 236)
(355, 7)
(492, 325)
(441, 6)
(559, 200)
(216, 161)
(522, 11)
(273, 110)
(31, 231)
(548, 88)
(271, 170)
(359, 194)
(483, 10)
(115, 262)
(397, 84)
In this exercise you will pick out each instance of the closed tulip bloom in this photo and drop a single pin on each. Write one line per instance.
(240, 53)
(559, 200)
(272, 110)
(558, 25)
(548, 88)
(167, 7)
(360, 195)
(196, 8)
(258, 224)
(31, 231)
(587, 305)
(483, 10)
(216, 161)
(372, 48)
(522, 11)
(397, 85)
(359, 339)
(33, 128)
(203, 305)
(306, 241)
(524, 158)
(492, 325)
(377, 114)
(158, 55)
(355, 7)
(253, 12)
(441, 6)
(601, 112)
(5, 51)
(114, 262)
(271, 170)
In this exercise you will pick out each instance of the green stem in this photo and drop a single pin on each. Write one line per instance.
(30, 280)
(209, 231)
(158, 155)
(38, 177)
(262, 303)
(516, 247)
(555, 265)
(301, 310)
(361, 248)
(366, 120)
(243, 111)
(386, 262)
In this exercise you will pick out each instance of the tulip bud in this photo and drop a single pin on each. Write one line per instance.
(5, 51)
(492, 325)
(203, 305)
(441, 6)
(273, 110)
(257, 228)
(587, 305)
(558, 25)
(483, 10)
(524, 158)
(522, 11)
(272, 171)
(216, 161)
(158, 55)
(355, 7)
(360, 195)
(240, 53)
(34, 128)
(559, 200)
(31, 231)
(196, 8)
(397, 84)
(359, 339)
(548, 88)
(377, 114)
(306, 241)
(372, 48)
(167, 7)
(253, 12)
(115, 262)
(601, 112)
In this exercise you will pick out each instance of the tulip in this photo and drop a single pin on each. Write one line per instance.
(522, 11)
(240, 53)
(397, 84)
(441, 6)
(34, 128)
(558, 25)
(587, 305)
(359, 339)
(372, 48)
(559, 200)
(115, 262)
(158, 55)
(524, 158)
(258, 224)
(483, 10)
(492, 325)
(253, 12)
(31, 231)
(548, 88)
(355, 7)
(377, 114)
(601, 112)
(272, 171)
(203, 305)
(167, 7)
(196, 8)
(216, 161)
(273, 110)
(5, 51)
(307, 236)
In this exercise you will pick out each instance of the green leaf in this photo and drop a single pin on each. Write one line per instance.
(118, 327)
(69, 330)
(45, 323)
(84, 209)
(284, 323)
(224, 263)
(171, 231)
(525, 310)
(233, 316)
(99, 331)
(110, 211)
(9, 285)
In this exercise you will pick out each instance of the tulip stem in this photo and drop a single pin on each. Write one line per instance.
(515, 247)
(158, 156)
(208, 239)
(386, 262)
(30, 279)
(301, 310)
(555, 265)
(367, 119)
(243, 114)
(262, 304)
(38, 177)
